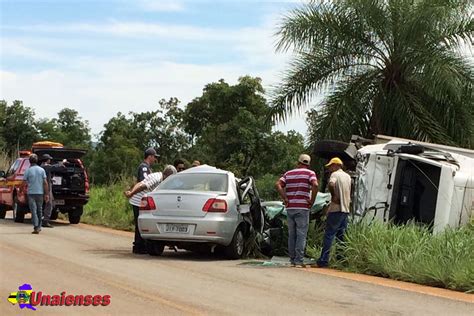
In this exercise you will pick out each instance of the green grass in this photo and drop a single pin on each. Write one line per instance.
(408, 253)
(109, 207)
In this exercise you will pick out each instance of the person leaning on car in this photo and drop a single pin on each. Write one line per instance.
(298, 189)
(151, 182)
(144, 169)
(49, 169)
(38, 190)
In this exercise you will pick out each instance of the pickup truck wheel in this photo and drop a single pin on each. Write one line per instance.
(18, 212)
(154, 248)
(75, 215)
(3, 211)
(54, 215)
(236, 248)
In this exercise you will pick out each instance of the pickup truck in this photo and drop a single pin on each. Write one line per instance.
(70, 185)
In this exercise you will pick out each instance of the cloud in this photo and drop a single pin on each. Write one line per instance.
(160, 5)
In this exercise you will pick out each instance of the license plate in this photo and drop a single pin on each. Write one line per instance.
(58, 202)
(177, 228)
(57, 180)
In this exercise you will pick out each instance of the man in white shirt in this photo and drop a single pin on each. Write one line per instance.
(336, 223)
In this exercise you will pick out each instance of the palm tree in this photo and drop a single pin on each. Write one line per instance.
(396, 67)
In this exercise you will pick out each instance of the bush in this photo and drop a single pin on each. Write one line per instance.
(266, 187)
(410, 253)
(109, 207)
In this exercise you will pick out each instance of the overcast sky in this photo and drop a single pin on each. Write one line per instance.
(101, 57)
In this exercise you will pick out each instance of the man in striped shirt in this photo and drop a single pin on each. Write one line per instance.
(298, 189)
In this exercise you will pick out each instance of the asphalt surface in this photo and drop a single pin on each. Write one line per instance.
(79, 260)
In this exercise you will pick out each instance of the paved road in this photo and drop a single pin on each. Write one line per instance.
(79, 260)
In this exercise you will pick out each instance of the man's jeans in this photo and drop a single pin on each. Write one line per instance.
(35, 202)
(298, 222)
(48, 206)
(336, 224)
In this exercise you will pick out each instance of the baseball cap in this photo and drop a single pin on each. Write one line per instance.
(334, 161)
(46, 157)
(151, 152)
(304, 159)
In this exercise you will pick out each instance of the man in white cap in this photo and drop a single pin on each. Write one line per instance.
(336, 223)
(298, 189)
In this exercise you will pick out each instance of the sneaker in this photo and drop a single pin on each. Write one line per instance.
(36, 232)
(292, 265)
(300, 265)
(47, 224)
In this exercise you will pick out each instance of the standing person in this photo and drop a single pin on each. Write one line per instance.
(38, 190)
(298, 189)
(49, 169)
(196, 163)
(336, 223)
(144, 169)
(179, 165)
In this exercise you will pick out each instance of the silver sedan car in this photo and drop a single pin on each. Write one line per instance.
(198, 208)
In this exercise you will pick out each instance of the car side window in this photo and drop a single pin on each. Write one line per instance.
(14, 167)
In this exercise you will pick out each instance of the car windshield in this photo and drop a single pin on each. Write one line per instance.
(195, 182)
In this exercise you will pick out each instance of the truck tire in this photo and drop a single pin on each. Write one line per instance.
(18, 211)
(3, 211)
(154, 248)
(54, 215)
(236, 248)
(75, 215)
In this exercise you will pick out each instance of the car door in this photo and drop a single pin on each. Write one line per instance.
(7, 183)
(251, 203)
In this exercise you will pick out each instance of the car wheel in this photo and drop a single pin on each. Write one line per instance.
(18, 212)
(154, 248)
(236, 248)
(3, 211)
(75, 215)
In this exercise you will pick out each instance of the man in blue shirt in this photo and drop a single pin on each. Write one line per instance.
(38, 190)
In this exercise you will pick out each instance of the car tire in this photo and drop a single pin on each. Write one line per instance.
(236, 248)
(3, 211)
(154, 248)
(18, 211)
(75, 215)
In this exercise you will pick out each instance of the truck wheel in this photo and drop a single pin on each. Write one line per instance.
(75, 215)
(3, 211)
(236, 248)
(154, 248)
(54, 215)
(18, 212)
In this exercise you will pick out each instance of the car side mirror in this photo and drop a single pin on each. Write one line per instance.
(2, 174)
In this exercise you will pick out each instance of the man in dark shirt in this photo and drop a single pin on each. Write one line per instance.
(49, 169)
(144, 169)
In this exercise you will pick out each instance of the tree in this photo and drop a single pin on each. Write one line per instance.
(125, 137)
(18, 126)
(390, 67)
(228, 123)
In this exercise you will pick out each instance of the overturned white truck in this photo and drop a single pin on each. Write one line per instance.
(403, 180)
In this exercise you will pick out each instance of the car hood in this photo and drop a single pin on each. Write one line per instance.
(60, 153)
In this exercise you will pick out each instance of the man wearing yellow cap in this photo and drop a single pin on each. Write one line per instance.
(340, 188)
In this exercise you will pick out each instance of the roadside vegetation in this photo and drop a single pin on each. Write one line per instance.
(408, 253)
(109, 207)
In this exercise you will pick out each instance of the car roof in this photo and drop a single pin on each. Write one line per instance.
(205, 169)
